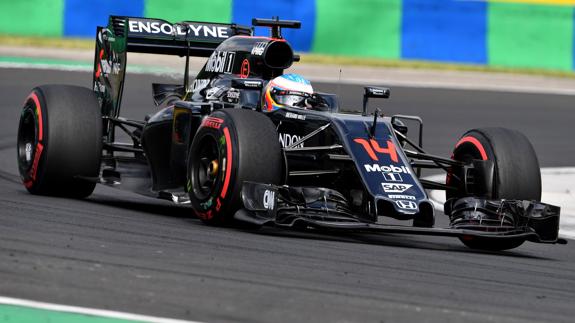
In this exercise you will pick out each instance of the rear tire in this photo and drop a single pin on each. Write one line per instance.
(230, 147)
(60, 141)
(517, 174)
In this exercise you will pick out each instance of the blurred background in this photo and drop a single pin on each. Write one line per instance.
(535, 34)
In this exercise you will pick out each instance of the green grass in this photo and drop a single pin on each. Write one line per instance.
(83, 43)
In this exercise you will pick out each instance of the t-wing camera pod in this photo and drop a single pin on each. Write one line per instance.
(374, 92)
(399, 127)
(276, 25)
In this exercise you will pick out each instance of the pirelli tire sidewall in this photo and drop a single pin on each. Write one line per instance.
(32, 138)
(248, 149)
(59, 141)
(516, 169)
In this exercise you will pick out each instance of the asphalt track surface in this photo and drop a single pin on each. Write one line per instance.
(118, 251)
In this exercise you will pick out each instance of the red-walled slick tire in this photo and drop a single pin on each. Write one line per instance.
(230, 147)
(516, 172)
(60, 141)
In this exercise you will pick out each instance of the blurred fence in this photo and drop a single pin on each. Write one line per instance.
(513, 33)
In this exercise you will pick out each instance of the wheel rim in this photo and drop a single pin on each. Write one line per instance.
(27, 138)
(205, 169)
(465, 153)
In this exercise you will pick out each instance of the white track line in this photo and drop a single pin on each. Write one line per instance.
(558, 189)
(87, 311)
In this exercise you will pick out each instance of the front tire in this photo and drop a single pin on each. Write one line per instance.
(230, 147)
(516, 175)
(60, 141)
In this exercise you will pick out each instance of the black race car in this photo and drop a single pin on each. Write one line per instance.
(212, 146)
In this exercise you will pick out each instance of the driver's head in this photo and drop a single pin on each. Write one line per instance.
(289, 90)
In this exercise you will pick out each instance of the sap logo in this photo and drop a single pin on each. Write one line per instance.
(220, 62)
(406, 205)
(287, 140)
(401, 197)
(259, 48)
(385, 169)
(395, 188)
(157, 27)
(269, 199)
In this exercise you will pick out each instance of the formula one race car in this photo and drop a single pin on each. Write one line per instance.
(214, 144)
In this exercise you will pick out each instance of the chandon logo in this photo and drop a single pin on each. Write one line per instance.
(287, 140)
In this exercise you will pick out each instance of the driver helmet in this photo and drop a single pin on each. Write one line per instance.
(289, 90)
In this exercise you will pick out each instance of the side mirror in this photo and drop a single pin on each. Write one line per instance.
(374, 92)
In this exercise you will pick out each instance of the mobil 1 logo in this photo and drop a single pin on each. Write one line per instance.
(220, 62)
(393, 177)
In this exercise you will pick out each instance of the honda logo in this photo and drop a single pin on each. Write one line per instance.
(406, 205)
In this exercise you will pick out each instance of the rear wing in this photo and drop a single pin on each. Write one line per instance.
(157, 36)
(147, 35)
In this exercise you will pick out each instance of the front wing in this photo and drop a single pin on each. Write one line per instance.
(324, 209)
